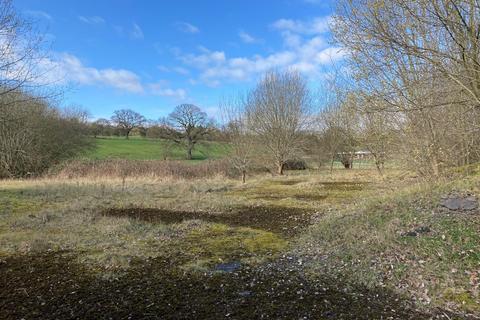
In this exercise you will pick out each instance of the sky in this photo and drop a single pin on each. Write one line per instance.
(150, 56)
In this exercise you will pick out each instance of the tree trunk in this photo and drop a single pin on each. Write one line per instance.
(280, 168)
(331, 164)
(379, 166)
(189, 152)
(244, 174)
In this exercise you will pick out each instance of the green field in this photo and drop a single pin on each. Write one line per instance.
(137, 148)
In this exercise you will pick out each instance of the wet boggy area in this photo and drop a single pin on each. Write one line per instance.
(55, 286)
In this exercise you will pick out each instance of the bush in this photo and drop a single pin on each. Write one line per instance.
(34, 135)
(295, 165)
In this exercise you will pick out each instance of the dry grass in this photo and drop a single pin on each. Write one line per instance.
(366, 243)
(358, 221)
(66, 214)
(125, 168)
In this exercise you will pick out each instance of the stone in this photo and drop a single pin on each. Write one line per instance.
(459, 203)
(245, 293)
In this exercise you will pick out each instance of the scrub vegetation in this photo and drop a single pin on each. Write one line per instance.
(336, 237)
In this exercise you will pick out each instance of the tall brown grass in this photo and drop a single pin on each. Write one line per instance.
(123, 168)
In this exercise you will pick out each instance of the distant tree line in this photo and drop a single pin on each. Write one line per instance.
(186, 126)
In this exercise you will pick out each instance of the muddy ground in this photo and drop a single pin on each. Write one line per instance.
(281, 220)
(53, 286)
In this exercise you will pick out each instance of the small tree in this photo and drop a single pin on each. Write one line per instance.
(189, 126)
(127, 119)
(241, 141)
(277, 112)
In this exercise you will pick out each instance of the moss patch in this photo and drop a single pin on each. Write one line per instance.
(217, 243)
(464, 300)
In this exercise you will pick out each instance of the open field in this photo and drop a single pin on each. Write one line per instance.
(311, 244)
(137, 148)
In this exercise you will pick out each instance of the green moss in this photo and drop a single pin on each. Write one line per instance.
(463, 299)
(14, 202)
(217, 243)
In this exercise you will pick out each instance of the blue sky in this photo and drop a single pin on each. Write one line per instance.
(153, 55)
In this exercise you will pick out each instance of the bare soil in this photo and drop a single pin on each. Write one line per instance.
(54, 286)
(281, 220)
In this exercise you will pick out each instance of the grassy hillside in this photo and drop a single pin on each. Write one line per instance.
(137, 148)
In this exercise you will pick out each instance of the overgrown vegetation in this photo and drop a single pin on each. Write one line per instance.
(124, 228)
(356, 238)
(34, 135)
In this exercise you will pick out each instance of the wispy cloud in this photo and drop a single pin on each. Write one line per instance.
(38, 14)
(248, 38)
(91, 20)
(179, 70)
(187, 27)
(315, 26)
(161, 89)
(136, 32)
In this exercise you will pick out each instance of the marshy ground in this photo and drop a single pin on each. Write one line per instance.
(307, 246)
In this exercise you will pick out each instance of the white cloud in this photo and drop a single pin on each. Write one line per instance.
(203, 60)
(187, 27)
(306, 49)
(67, 68)
(136, 32)
(160, 89)
(38, 14)
(248, 38)
(91, 20)
(316, 26)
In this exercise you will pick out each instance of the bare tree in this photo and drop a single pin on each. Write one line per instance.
(190, 125)
(242, 142)
(339, 133)
(24, 64)
(23, 61)
(127, 120)
(419, 61)
(277, 111)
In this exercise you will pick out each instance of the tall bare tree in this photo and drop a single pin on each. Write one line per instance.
(190, 125)
(277, 111)
(127, 120)
(420, 62)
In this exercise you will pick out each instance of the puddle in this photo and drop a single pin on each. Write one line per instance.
(281, 220)
(228, 267)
